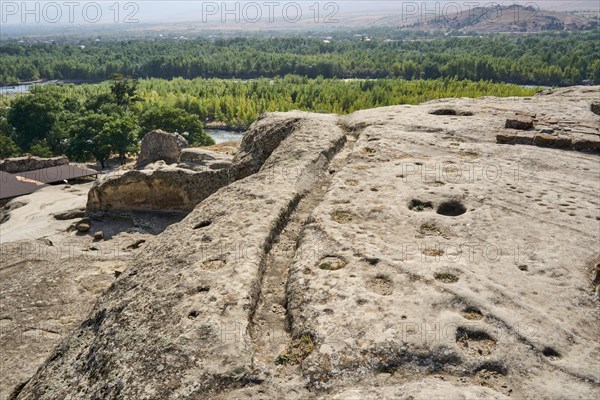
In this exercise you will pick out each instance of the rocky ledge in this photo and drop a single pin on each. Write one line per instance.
(398, 252)
(30, 163)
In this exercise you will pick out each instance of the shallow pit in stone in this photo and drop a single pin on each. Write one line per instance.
(342, 216)
(214, 263)
(472, 313)
(419, 205)
(475, 342)
(451, 111)
(451, 208)
(446, 277)
(332, 263)
(381, 285)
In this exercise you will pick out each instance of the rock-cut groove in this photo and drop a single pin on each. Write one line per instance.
(269, 328)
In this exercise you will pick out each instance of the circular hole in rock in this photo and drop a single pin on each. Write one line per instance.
(418, 205)
(451, 208)
(381, 285)
(193, 314)
(550, 352)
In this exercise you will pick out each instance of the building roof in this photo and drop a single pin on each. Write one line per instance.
(12, 185)
(57, 174)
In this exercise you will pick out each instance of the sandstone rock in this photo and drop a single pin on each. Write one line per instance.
(136, 244)
(158, 187)
(99, 235)
(199, 159)
(519, 121)
(199, 155)
(514, 138)
(201, 173)
(403, 312)
(559, 142)
(544, 129)
(10, 206)
(30, 163)
(83, 226)
(588, 144)
(70, 214)
(259, 142)
(160, 145)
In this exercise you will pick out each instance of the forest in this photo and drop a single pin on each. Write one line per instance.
(545, 59)
(97, 121)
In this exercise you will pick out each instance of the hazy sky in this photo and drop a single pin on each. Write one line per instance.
(156, 11)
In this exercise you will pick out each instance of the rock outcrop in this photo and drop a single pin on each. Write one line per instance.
(160, 145)
(30, 163)
(553, 130)
(199, 173)
(382, 254)
(157, 187)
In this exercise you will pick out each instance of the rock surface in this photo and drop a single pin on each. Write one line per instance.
(393, 253)
(199, 159)
(30, 163)
(160, 145)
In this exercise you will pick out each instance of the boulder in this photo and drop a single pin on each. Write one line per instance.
(30, 163)
(82, 225)
(70, 214)
(160, 145)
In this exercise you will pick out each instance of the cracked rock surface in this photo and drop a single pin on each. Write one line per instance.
(397, 252)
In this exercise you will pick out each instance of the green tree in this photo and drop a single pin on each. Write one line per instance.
(8, 148)
(122, 133)
(87, 139)
(99, 135)
(173, 119)
(41, 150)
(124, 90)
(596, 72)
(33, 117)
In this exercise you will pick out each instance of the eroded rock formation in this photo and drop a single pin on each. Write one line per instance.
(160, 145)
(398, 252)
(30, 163)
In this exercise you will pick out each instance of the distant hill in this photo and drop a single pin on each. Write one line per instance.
(513, 18)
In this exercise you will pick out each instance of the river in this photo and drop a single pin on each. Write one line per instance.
(15, 89)
(221, 136)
